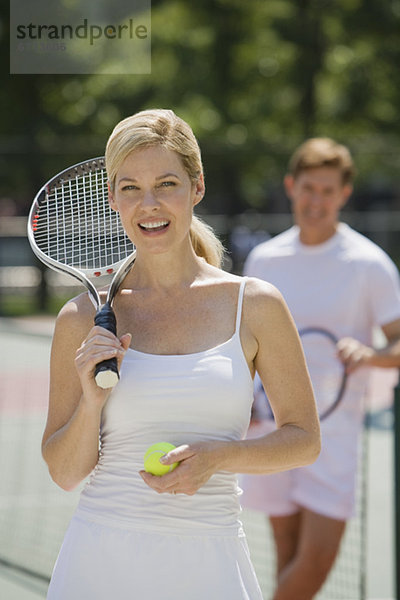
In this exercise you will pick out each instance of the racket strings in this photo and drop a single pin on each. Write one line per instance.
(76, 226)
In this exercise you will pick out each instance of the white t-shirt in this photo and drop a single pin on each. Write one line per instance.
(347, 285)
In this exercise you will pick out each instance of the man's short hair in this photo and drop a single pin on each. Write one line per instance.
(323, 152)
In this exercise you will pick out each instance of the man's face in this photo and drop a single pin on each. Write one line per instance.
(317, 195)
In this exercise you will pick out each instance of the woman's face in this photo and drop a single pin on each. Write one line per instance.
(155, 198)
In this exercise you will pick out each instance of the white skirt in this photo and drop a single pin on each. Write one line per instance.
(103, 562)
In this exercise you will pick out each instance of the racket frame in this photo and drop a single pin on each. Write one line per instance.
(328, 411)
(322, 331)
(118, 269)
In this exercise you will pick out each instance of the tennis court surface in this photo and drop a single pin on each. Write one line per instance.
(34, 512)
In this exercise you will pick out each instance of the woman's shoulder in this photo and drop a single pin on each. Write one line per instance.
(257, 292)
(265, 316)
(260, 290)
(76, 316)
(263, 303)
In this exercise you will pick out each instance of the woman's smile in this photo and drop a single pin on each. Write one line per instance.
(154, 226)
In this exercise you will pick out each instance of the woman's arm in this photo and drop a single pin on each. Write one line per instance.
(282, 368)
(70, 443)
(272, 347)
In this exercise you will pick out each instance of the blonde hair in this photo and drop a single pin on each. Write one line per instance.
(323, 152)
(159, 127)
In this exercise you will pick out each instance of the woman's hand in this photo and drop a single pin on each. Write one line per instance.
(100, 344)
(197, 462)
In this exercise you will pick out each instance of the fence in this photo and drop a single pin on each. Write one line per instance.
(24, 280)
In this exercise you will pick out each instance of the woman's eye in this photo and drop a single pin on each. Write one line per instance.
(127, 188)
(168, 183)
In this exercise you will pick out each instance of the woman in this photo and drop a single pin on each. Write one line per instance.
(190, 339)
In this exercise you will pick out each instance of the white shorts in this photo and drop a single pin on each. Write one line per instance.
(326, 487)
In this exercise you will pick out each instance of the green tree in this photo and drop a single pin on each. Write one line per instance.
(253, 79)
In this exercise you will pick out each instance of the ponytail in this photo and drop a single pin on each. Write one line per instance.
(205, 242)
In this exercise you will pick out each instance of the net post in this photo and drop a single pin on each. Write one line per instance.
(364, 492)
(396, 411)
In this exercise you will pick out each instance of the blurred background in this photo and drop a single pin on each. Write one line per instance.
(253, 79)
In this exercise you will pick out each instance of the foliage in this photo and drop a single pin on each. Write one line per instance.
(252, 78)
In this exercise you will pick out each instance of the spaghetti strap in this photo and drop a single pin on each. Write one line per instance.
(240, 304)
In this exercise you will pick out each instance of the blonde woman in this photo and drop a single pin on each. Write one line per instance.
(190, 338)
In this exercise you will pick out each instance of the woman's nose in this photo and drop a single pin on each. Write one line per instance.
(149, 201)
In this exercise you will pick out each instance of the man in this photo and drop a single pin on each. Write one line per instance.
(335, 278)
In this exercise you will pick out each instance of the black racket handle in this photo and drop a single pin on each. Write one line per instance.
(106, 372)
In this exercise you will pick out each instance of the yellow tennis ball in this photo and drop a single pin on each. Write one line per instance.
(152, 459)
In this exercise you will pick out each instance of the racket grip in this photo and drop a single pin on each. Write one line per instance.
(106, 372)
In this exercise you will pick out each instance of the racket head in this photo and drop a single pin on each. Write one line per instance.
(72, 227)
(327, 372)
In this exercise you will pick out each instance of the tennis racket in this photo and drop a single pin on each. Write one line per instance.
(328, 374)
(72, 229)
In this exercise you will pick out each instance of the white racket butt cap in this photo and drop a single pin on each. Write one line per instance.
(106, 379)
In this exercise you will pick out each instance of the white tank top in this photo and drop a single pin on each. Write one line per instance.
(179, 399)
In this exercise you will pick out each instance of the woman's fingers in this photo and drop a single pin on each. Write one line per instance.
(100, 344)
